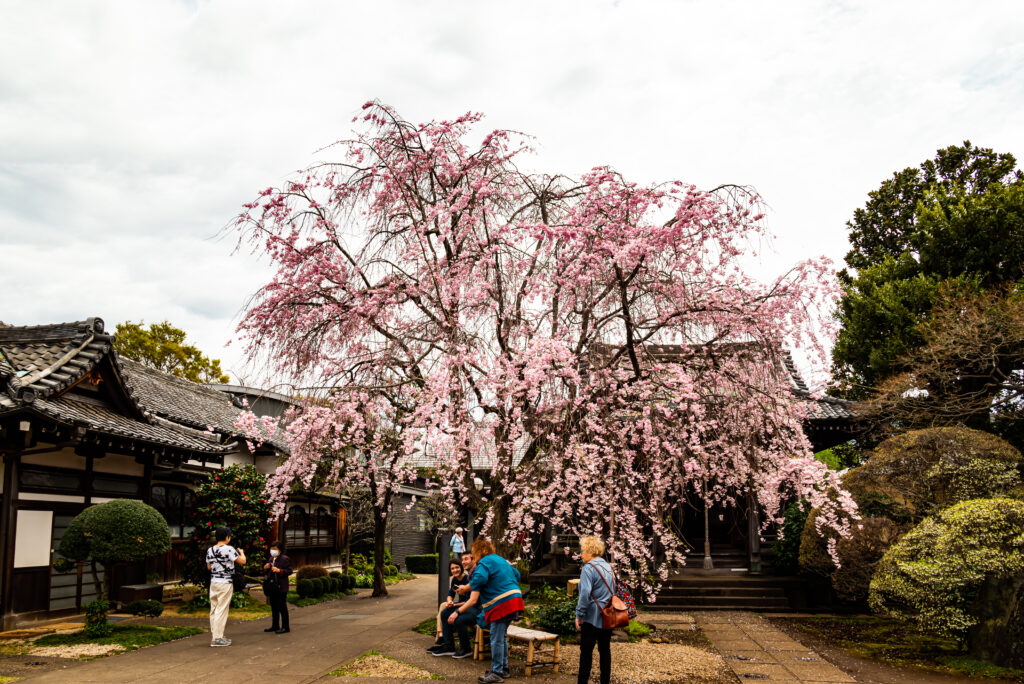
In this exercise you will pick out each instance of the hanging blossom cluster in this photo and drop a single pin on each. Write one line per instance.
(592, 343)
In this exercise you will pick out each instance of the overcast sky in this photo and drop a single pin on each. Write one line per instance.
(132, 132)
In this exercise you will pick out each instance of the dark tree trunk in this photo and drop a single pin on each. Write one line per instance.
(380, 531)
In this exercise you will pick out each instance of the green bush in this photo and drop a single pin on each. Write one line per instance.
(96, 625)
(906, 478)
(336, 587)
(147, 608)
(119, 531)
(233, 497)
(309, 572)
(637, 630)
(304, 587)
(559, 618)
(860, 553)
(959, 573)
(425, 564)
(787, 549)
(335, 573)
(349, 582)
(391, 570)
(325, 585)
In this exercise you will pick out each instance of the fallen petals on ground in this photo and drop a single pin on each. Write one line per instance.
(79, 651)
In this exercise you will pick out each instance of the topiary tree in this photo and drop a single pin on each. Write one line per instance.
(119, 531)
(906, 478)
(232, 498)
(961, 573)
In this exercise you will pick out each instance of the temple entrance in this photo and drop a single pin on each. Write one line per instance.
(727, 532)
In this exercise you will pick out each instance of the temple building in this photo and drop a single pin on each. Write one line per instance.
(80, 425)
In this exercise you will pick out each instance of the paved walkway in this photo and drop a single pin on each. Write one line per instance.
(757, 651)
(322, 637)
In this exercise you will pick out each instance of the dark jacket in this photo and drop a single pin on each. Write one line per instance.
(285, 564)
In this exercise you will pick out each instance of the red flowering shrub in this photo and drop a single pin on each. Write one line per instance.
(231, 498)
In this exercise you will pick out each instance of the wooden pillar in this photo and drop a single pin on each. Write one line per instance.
(147, 480)
(753, 534)
(8, 526)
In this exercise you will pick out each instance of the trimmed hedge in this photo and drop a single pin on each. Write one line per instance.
(559, 618)
(425, 564)
(309, 572)
(335, 573)
(304, 587)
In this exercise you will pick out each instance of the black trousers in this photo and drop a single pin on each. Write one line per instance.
(590, 635)
(278, 610)
(461, 627)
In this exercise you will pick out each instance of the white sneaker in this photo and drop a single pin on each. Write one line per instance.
(219, 642)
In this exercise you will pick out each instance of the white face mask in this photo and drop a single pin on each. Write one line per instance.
(274, 553)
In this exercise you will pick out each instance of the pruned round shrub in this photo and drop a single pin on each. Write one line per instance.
(946, 573)
(924, 471)
(391, 570)
(118, 531)
(350, 582)
(860, 553)
(309, 572)
(325, 587)
(304, 587)
(335, 585)
(146, 608)
(335, 573)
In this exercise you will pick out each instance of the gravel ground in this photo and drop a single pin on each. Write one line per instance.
(645, 662)
(385, 668)
(79, 651)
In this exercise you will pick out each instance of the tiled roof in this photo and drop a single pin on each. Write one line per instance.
(185, 402)
(44, 360)
(102, 419)
(38, 364)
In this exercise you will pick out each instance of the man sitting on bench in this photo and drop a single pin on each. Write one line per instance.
(463, 620)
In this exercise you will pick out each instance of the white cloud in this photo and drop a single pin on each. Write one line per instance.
(130, 132)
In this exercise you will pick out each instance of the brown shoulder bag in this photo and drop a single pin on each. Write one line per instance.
(614, 614)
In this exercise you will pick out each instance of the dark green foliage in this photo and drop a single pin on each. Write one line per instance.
(304, 587)
(96, 625)
(860, 554)
(147, 608)
(955, 222)
(787, 549)
(350, 582)
(425, 564)
(232, 498)
(321, 585)
(336, 573)
(309, 572)
(559, 618)
(391, 570)
(120, 531)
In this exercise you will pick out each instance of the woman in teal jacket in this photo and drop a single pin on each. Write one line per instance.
(495, 588)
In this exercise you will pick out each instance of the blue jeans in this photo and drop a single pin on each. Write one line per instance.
(499, 645)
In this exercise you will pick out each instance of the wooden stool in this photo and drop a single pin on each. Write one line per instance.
(538, 644)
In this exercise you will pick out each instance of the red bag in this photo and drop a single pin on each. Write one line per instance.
(615, 614)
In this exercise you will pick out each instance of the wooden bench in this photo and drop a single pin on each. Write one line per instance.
(538, 643)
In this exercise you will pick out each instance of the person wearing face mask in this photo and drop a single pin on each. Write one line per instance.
(275, 586)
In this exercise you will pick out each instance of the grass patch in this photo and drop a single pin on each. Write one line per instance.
(376, 664)
(130, 637)
(428, 627)
(295, 600)
(244, 607)
(898, 643)
(637, 630)
(4, 679)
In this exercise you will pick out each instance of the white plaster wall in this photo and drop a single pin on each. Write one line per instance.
(65, 458)
(118, 464)
(237, 458)
(32, 539)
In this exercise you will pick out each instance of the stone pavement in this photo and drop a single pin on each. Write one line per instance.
(757, 651)
(322, 637)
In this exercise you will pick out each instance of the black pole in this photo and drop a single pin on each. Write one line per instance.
(443, 577)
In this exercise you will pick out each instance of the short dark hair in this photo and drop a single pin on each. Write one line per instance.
(222, 533)
(275, 545)
(454, 562)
